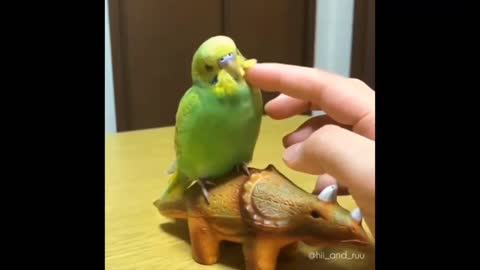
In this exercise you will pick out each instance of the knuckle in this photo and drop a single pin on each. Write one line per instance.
(319, 142)
(327, 131)
(319, 139)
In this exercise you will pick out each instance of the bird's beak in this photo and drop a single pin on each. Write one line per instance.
(234, 69)
(230, 64)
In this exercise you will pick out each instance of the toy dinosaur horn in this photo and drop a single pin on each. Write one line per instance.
(329, 194)
(356, 214)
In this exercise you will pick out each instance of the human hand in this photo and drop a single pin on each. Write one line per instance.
(339, 146)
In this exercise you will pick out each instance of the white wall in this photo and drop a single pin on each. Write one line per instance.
(333, 36)
(110, 118)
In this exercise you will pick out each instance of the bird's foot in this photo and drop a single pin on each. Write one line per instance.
(201, 183)
(210, 183)
(244, 168)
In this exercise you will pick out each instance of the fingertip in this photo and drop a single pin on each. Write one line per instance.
(268, 107)
(294, 158)
(297, 136)
(292, 155)
(258, 74)
(269, 76)
(272, 109)
(271, 112)
(251, 73)
(284, 106)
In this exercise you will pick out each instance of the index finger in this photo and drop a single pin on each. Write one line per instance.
(346, 100)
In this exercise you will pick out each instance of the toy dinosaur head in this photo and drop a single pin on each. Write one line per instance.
(323, 219)
(274, 203)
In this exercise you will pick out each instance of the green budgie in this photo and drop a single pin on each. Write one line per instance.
(218, 119)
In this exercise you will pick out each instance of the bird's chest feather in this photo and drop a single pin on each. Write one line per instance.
(222, 133)
(233, 111)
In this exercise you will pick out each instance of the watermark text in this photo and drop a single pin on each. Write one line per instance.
(316, 255)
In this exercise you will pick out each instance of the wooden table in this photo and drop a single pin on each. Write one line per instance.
(137, 237)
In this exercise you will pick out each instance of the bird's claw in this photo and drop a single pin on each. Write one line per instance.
(204, 189)
(210, 183)
(244, 168)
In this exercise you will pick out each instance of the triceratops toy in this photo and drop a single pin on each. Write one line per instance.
(265, 212)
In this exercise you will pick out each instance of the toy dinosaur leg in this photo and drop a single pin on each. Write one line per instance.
(261, 253)
(205, 245)
(289, 251)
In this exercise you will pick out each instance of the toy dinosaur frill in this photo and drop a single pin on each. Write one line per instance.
(265, 212)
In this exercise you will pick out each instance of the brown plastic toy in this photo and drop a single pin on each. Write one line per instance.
(265, 212)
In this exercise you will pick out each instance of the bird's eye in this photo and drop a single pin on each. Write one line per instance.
(208, 68)
(315, 214)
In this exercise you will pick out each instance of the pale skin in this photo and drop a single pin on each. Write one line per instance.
(339, 146)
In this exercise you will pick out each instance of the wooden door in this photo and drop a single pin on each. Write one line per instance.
(153, 42)
(363, 47)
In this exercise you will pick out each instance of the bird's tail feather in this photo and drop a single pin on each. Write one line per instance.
(176, 186)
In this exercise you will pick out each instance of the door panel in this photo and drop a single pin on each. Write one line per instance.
(363, 49)
(153, 43)
(272, 30)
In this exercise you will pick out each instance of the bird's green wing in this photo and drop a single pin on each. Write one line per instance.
(178, 181)
(188, 104)
(257, 100)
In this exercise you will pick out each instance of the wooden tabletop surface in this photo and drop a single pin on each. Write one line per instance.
(138, 237)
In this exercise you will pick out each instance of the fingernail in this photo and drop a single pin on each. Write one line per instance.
(267, 105)
(292, 153)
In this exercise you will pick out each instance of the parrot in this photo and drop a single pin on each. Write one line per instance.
(218, 118)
